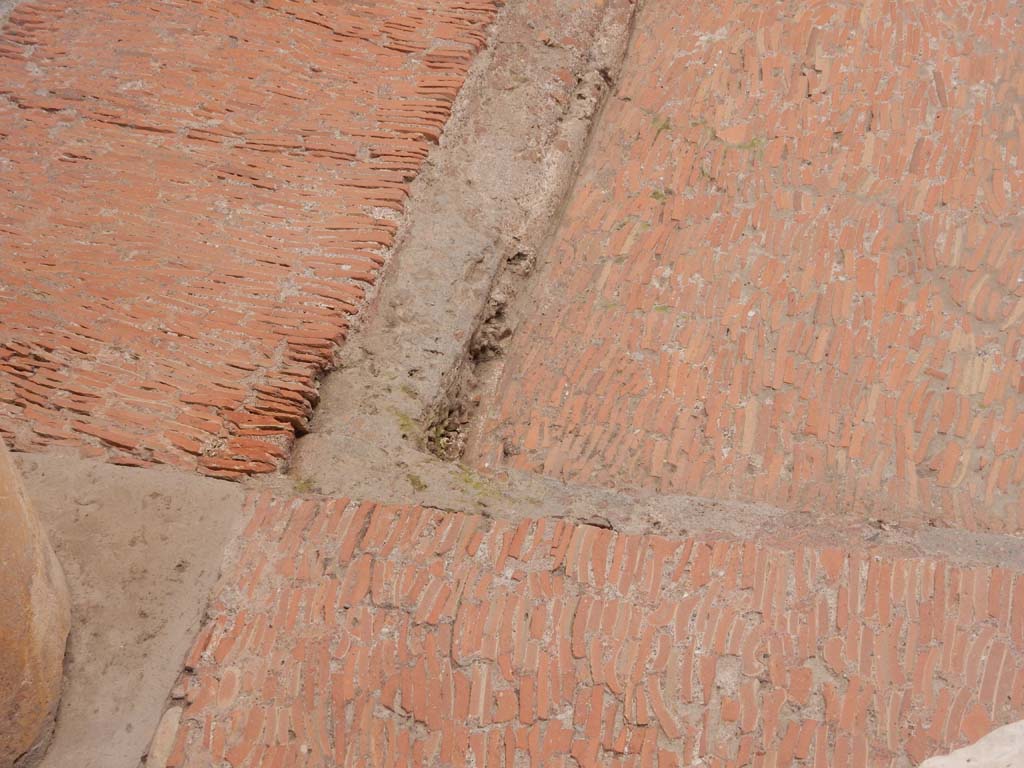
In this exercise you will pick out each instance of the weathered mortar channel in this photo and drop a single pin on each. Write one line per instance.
(446, 419)
(483, 207)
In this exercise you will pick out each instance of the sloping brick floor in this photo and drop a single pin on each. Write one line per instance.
(359, 634)
(196, 196)
(791, 268)
(790, 272)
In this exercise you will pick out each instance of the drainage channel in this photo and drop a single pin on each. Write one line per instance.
(480, 211)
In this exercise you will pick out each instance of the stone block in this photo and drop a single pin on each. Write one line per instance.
(1003, 748)
(35, 616)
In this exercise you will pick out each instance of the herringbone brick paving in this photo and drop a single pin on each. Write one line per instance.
(363, 634)
(791, 270)
(197, 196)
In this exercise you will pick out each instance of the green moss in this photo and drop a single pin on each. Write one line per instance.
(754, 144)
(407, 424)
(642, 226)
(662, 124)
(416, 482)
(478, 484)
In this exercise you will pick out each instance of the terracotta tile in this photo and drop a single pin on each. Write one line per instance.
(163, 337)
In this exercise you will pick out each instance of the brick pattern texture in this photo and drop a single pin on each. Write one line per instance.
(197, 196)
(791, 270)
(353, 634)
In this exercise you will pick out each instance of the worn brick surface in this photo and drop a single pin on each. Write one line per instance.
(357, 634)
(196, 197)
(792, 269)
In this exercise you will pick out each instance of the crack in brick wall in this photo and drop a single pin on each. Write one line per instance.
(791, 269)
(198, 199)
(364, 634)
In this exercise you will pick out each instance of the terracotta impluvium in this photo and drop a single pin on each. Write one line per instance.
(34, 621)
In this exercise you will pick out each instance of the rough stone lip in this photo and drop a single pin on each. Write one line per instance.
(1002, 748)
(163, 741)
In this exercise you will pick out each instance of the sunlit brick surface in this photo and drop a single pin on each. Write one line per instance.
(792, 269)
(196, 196)
(358, 634)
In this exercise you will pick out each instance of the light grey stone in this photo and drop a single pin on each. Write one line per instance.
(1003, 748)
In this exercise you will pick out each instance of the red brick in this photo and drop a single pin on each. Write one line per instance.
(785, 308)
(375, 667)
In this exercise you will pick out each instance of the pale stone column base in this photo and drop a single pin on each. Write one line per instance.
(35, 615)
(1003, 748)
